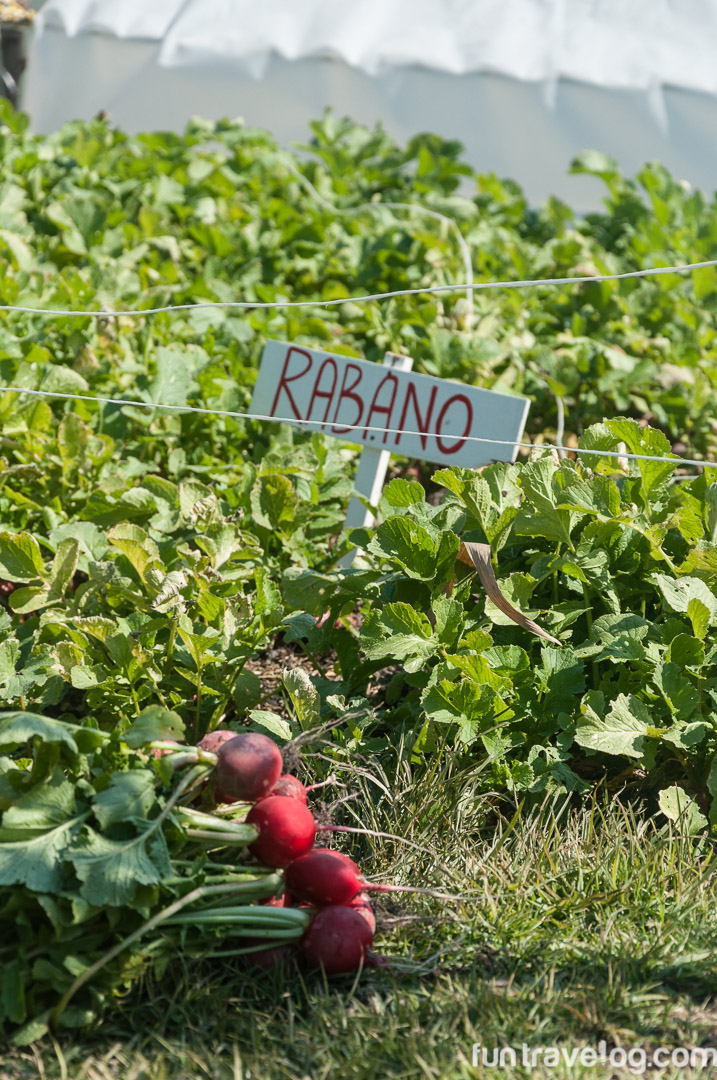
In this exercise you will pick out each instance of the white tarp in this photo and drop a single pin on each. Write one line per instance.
(524, 84)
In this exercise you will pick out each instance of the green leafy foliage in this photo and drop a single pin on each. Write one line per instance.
(98, 846)
(613, 562)
(147, 556)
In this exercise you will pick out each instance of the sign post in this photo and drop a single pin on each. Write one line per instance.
(372, 466)
(386, 409)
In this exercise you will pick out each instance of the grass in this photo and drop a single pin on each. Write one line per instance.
(589, 922)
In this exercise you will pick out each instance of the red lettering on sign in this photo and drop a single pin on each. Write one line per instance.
(285, 380)
(384, 410)
(439, 424)
(422, 422)
(327, 395)
(348, 392)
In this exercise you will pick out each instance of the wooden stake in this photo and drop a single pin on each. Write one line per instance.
(371, 472)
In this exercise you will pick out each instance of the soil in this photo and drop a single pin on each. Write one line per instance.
(269, 665)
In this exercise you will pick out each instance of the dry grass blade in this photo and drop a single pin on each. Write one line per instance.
(478, 556)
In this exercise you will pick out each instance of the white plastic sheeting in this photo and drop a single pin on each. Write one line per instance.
(524, 84)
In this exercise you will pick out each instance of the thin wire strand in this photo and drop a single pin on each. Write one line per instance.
(428, 289)
(319, 425)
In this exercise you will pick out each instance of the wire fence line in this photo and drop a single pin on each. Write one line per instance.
(319, 425)
(473, 286)
(469, 287)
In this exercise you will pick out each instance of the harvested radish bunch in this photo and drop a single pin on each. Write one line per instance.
(204, 893)
(286, 830)
(248, 766)
(337, 940)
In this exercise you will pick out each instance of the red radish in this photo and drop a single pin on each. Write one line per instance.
(327, 877)
(214, 739)
(290, 787)
(286, 830)
(323, 877)
(248, 766)
(361, 904)
(278, 901)
(337, 940)
(339, 855)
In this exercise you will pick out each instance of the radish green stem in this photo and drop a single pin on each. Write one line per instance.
(253, 871)
(312, 657)
(211, 879)
(156, 920)
(233, 810)
(190, 792)
(209, 821)
(181, 756)
(239, 915)
(293, 916)
(213, 906)
(286, 918)
(224, 838)
(271, 933)
(187, 757)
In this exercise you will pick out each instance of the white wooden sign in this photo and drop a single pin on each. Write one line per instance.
(350, 398)
(387, 409)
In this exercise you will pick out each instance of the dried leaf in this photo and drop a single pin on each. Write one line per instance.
(477, 556)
